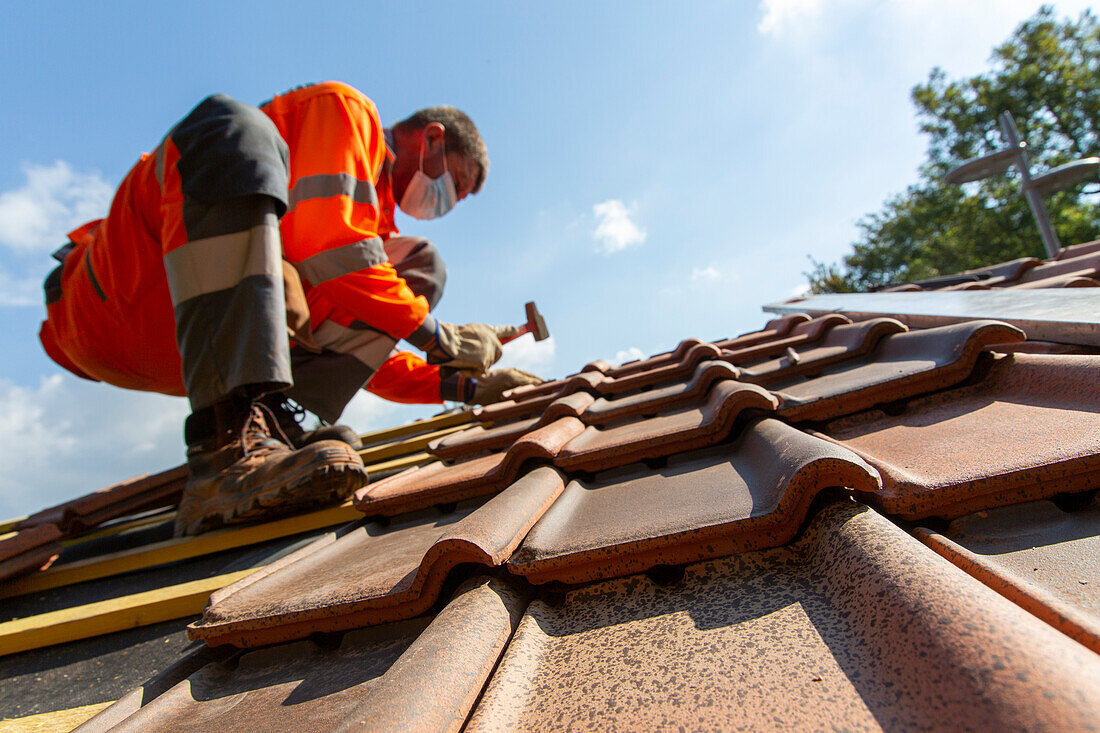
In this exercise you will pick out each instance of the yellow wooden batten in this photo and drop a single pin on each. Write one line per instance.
(419, 443)
(115, 614)
(59, 721)
(420, 426)
(182, 548)
(179, 548)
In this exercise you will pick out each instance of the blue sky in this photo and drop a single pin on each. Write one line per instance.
(659, 171)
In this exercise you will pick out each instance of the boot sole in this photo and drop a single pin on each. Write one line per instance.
(331, 475)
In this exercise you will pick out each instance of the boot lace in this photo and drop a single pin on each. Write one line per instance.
(261, 429)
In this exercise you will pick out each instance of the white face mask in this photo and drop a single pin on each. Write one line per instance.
(429, 198)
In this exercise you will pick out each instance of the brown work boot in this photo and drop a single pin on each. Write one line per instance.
(290, 415)
(247, 474)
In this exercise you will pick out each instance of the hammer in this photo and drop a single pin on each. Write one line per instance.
(535, 325)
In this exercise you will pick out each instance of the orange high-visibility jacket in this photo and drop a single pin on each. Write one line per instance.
(115, 320)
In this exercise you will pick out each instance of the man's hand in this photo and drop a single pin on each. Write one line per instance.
(473, 346)
(492, 385)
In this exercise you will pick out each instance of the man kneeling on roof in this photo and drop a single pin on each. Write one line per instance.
(247, 226)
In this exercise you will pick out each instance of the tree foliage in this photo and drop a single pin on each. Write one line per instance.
(1048, 76)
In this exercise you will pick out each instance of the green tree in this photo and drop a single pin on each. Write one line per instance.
(1048, 76)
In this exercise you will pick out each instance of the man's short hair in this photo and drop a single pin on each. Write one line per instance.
(460, 135)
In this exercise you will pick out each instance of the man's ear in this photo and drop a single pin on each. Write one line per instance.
(433, 138)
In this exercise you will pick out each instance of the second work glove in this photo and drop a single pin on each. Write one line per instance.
(473, 346)
(490, 387)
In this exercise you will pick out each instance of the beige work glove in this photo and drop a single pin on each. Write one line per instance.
(492, 385)
(504, 332)
(473, 346)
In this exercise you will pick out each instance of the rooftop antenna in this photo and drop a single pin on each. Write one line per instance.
(1032, 187)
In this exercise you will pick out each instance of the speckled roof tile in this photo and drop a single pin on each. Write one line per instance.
(410, 675)
(375, 573)
(1027, 430)
(902, 365)
(841, 343)
(1037, 555)
(684, 428)
(438, 483)
(751, 493)
(856, 626)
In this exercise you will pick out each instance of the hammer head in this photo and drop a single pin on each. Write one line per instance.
(535, 324)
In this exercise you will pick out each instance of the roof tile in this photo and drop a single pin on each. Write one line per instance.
(1078, 249)
(30, 549)
(1078, 279)
(437, 483)
(902, 365)
(375, 574)
(841, 343)
(773, 329)
(375, 679)
(596, 448)
(128, 497)
(1078, 264)
(479, 439)
(751, 493)
(1036, 555)
(854, 626)
(802, 334)
(1028, 430)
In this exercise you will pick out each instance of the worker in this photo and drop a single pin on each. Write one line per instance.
(248, 229)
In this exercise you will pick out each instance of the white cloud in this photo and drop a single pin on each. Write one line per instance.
(527, 354)
(615, 231)
(53, 200)
(781, 14)
(799, 291)
(632, 353)
(35, 219)
(707, 274)
(65, 438)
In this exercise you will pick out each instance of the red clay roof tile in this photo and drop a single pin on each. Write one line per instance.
(1077, 250)
(437, 483)
(750, 494)
(1036, 555)
(840, 343)
(605, 410)
(773, 329)
(1005, 272)
(1080, 264)
(479, 439)
(902, 366)
(1029, 429)
(128, 497)
(597, 449)
(1079, 279)
(26, 550)
(855, 626)
(413, 675)
(373, 574)
(804, 333)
